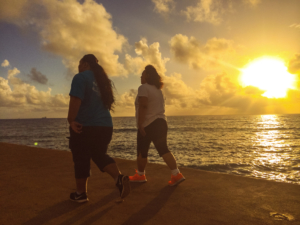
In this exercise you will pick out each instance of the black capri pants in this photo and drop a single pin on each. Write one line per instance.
(91, 143)
(156, 132)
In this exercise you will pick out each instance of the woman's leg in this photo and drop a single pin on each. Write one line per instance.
(81, 185)
(81, 159)
(140, 173)
(113, 170)
(170, 160)
(158, 131)
(106, 163)
(99, 151)
(122, 182)
(143, 144)
(141, 163)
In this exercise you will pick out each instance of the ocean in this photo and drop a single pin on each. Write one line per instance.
(260, 146)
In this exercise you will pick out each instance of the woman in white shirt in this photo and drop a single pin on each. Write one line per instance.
(152, 126)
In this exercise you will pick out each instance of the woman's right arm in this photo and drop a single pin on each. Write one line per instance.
(73, 111)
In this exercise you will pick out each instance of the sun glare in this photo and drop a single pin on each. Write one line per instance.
(270, 75)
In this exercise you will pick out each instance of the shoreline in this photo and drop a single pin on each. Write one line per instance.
(36, 183)
(198, 168)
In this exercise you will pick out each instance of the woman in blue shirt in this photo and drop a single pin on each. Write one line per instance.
(91, 128)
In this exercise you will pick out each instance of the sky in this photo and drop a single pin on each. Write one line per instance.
(215, 57)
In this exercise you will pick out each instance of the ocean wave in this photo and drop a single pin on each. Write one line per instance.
(218, 167)
(27, 136)
(125, 130)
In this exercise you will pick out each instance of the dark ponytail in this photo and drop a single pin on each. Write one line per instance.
(153, 77)
(105, 85)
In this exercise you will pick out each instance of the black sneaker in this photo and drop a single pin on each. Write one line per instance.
(79, 198)
(123, 185)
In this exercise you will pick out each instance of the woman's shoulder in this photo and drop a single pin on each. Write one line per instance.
(146, 86)
(85, 75)
(149, 89)
(149, 86)
(143, 86)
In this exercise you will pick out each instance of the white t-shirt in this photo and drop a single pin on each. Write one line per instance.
(156, 103)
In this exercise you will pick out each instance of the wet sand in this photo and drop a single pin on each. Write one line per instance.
(35, 185)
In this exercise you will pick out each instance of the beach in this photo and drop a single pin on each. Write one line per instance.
(36, 183)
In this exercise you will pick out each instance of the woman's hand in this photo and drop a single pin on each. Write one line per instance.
(142, 130)
(73, 111)
(76, 127)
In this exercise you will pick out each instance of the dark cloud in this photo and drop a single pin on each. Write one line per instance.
(38, 76)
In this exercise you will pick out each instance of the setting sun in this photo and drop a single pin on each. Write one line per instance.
(270, 75)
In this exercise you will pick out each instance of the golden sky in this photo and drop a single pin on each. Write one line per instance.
(216, 57)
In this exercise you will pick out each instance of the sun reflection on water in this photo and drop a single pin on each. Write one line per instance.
(272, 157)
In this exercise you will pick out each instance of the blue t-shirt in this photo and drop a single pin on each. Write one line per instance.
(92, 111)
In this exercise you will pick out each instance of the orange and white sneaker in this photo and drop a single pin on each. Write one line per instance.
(176, 179)
(137, 178)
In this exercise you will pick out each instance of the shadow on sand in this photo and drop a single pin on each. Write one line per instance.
(152, 208)
(53, 212)
(67, 206)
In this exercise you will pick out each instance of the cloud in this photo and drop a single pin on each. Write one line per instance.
(216, 90)
(5, 63)
(176, 93)
(221, 91)
(209, 11)
(16, 93)
(212, 11)
(70, 30)
(207, 56)
(38, 76)
(127, 99)
(14, 10)
(163, 6)
(175, 90)
(146, 55)
(295, 25)
(11, 77)
(294, 68)
(294, 64)
(252, 2)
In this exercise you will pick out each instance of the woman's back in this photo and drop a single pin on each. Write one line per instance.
(92, 112)
(156, 103)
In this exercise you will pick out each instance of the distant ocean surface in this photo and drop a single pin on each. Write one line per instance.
(261, 146)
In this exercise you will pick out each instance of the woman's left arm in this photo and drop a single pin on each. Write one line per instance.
(143, 106)
(73, 111)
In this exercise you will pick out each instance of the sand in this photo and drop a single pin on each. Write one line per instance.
(35, 184)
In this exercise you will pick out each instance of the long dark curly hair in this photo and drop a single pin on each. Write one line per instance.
(105, 85)
(153, 77)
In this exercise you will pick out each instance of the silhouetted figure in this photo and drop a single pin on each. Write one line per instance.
(152, 126)
(91, 127)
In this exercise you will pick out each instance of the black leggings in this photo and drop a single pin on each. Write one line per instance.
(91, 143)
(156, 132)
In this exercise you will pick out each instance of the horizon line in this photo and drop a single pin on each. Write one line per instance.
(166, 116)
